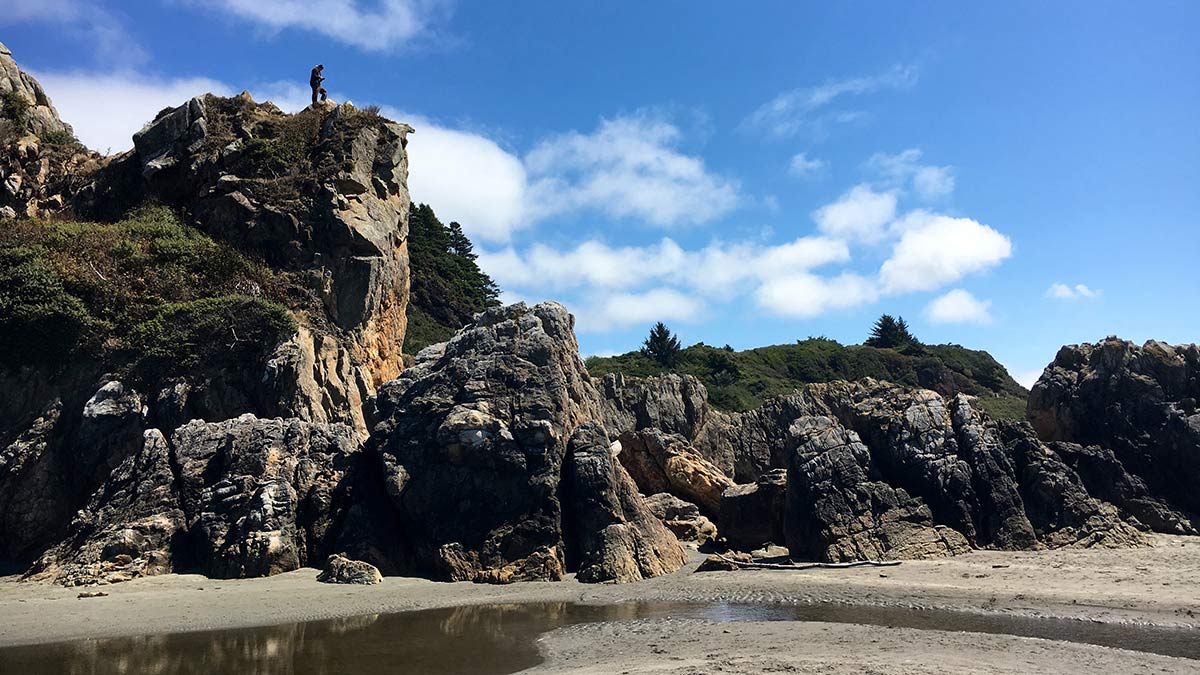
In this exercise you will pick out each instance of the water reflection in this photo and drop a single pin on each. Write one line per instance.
(493, 639)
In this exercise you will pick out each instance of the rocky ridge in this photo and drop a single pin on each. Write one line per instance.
(496, 457)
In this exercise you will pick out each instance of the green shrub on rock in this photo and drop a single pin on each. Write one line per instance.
(40, 322)
(215, 332)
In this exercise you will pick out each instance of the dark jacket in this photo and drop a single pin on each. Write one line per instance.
(315, 79)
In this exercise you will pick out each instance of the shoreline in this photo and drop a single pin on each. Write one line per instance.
(1153, 586)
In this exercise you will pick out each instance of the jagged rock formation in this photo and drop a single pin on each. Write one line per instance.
(480, 429)
(341, 219)
(40, 161)
(243, 497)
(878, 470)
(41, 117)
(1131, 416)
(611, 533)
(672, 404)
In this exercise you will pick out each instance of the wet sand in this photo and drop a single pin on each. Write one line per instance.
(1149, 586)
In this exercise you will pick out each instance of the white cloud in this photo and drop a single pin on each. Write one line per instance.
(628, 167)
(928, 182)
(110, 40)
(618, 310)
(858, 215)
(375, 26)
(802, 166)
(935, 250)
(1060, 291)
(807, 295)
(467, 178)
(932, 182)
(959, 306)
(718, 268)
(107, 109)
(793, 111)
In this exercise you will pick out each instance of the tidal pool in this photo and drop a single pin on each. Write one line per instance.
(498, 639)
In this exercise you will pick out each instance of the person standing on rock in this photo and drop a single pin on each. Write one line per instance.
(315, 80)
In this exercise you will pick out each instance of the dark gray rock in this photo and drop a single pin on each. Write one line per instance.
(132, 526)
(1140, 404)
(752, 514)
(837, 511)
(473, 440)
(262, 496)
(612, 535)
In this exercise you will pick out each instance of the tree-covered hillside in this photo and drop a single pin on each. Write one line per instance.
(742, 380)
(448, 287)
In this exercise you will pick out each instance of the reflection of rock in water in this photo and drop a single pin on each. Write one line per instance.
(496, 621)
(498, 639)
(350, 624)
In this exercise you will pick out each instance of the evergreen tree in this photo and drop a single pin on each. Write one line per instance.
(448, 287)
(459, 244)
(890, 332)
(662, 346)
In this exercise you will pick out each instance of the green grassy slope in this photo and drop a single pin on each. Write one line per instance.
(742, 380)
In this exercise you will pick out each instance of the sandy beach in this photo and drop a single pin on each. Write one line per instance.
(1146, 586)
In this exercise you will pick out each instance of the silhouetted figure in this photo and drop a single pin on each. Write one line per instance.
(315, 80)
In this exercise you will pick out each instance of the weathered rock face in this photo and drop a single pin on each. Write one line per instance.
(682, 518)
(477, 430)
(894, 472)
(615, 535)
(1105, 477)
(673, 404)
(40, 164)
(59, 447)
(262, 496)
(836, 512)
(662, 462)
(239, 498)
(342, 222)
(1139, 404)
(341, 570)
(132, 526)
(40, 113)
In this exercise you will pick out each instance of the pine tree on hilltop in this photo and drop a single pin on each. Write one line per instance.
(890, 332)
(662, 346)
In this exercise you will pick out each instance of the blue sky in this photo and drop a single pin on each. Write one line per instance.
(1010, 177)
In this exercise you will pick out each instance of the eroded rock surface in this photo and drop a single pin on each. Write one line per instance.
(478, 429)
(661, 462)
(681, 518)
(752, 514)
(1139, 404)
(612, 535)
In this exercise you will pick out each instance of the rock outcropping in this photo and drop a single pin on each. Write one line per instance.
(1128, 421)
(490, 430)
(40, 116)
(873, 470)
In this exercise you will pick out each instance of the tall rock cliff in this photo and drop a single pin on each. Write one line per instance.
(303, 214)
